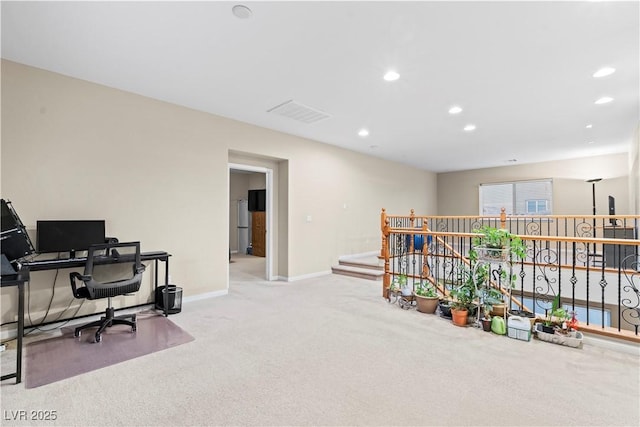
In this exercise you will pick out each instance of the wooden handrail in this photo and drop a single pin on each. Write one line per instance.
(575, 246)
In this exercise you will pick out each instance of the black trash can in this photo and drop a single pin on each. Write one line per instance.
(174, 298)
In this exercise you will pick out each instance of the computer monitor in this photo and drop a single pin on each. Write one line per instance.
(68, 235)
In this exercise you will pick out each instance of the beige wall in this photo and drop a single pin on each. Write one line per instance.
(158, 173)
(458, 191)
(634, 173)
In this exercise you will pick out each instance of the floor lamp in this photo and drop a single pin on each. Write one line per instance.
(593, 195)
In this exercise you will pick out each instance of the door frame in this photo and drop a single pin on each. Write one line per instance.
(268, 212)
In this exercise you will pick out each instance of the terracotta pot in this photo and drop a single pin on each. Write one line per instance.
(459, 316)
(427, 304)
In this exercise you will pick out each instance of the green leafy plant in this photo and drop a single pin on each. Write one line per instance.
(464, 295)
(499, 238)
(402, 280)
(426, 289)
(399, 282)
(557, 313)
(489, 296)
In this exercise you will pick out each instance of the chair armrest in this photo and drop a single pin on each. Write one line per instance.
(73, 276)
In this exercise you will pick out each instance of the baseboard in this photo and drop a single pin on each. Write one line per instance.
(206, 295)
(306, 276)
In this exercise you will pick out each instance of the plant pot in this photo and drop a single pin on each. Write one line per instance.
(498, 310)
(427, 304)
(406, 291)
(445, 309)
(546, 329)
(459, 316)
(486, 325)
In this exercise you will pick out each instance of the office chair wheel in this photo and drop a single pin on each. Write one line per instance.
(98, 337)
(77, 334)
(133, 329)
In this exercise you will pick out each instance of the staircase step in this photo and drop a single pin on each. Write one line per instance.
(363, 273)
(361, 264)
(370, 263)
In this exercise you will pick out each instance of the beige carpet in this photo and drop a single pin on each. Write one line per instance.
(331, 351)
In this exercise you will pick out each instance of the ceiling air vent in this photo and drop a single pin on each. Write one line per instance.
(299, 112)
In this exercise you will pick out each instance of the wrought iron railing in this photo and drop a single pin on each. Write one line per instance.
(591, 262)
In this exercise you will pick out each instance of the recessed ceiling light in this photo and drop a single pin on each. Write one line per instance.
(603, 72)
(589, 126)
(470, 128)
(512, 160)
(373, 147)
(591, 142)
(241, 11)
(604, 100)
(455, 110)
(363, 133)
(391, 76)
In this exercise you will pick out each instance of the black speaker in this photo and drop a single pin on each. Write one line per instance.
(7, 268)
(16, 244)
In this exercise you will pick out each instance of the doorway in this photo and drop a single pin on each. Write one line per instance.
(250, 225)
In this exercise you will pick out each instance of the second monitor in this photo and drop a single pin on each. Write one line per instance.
(68, 235)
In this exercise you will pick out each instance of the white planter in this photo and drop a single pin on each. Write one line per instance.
(574, 339)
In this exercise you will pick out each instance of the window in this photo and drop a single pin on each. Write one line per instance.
(536, 207)
(518, 198)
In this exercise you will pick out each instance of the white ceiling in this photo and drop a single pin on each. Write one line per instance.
(522, 71)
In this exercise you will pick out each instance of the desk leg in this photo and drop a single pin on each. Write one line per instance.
(20, 332)
(155, 283)
(166, 288)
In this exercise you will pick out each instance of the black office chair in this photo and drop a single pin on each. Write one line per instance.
(109, 258)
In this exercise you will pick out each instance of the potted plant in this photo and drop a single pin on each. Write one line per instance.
(559, 327)
(444, 305)
(494, 245)
(497, 244)
(463, 301)
(554, 317)
(427, 298)
(403, 284)
(489, 297)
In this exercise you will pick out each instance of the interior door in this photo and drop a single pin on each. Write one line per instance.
(258, 233)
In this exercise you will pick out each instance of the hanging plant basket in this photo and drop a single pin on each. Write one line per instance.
(492, 254)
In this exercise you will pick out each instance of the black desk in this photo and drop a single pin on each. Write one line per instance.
(18, 280)
(53, 264)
